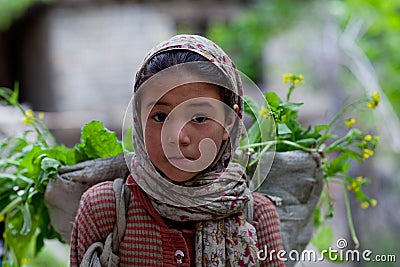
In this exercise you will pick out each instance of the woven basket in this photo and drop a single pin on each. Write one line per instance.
(294, 183)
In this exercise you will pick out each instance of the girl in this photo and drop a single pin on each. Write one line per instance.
(189, 204)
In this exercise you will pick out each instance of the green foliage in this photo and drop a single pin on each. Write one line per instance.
(27, 164)
(244, 37)
(380, 39)
(98, 142)
(339, 151)
(12, 9)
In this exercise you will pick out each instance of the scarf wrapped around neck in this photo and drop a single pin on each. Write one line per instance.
(215, 198)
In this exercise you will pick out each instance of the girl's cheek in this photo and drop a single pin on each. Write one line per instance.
(152, 137)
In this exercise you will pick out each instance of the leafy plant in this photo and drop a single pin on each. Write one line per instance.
(339, 151)
(27, 163)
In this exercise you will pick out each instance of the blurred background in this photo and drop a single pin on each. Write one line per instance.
(75, 61)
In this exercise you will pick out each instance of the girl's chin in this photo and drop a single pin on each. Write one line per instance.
(177, 176)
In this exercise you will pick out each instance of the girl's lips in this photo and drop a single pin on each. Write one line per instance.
(180, 161)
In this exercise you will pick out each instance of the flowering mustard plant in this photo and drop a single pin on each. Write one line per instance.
(27, 163)
(338, 151)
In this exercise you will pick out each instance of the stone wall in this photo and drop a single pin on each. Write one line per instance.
(79, 61)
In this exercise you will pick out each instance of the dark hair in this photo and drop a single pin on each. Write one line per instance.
(171, 58)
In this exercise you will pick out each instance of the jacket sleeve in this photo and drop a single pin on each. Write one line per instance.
(94, 220)
(267, 223)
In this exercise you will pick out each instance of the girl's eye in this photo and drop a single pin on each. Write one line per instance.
(199, 118)
(160, 117)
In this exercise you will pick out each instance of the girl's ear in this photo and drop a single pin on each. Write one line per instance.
(230, 121)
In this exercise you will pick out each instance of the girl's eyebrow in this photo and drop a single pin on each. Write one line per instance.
(193, 104)
(153, 103)
(201, 103)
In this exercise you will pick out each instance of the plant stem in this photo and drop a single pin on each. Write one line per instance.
(47, 132)
(10, 206)
(290, 143)
(291, 88)
(349, 218)
(18, 200)
(344, 110)
(339, 114)
(37, 124)
(348, 211)
(328, 149)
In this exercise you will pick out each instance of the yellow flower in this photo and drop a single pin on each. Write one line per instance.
(264, 112)
(364, 205)
(29, 113)
(41, 115)
(368, 138)
(366, 153)
(350, 122)
(355, 185)
(376, 138)
(375, 99)
(29, 117)
(373, 202)
(293, 79)
(287, 77)
(24, 261)
(28, 120)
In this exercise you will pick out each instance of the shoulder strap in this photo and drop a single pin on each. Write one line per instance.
(109, 250)
(122, 199)
(110, 256)
(249, 210)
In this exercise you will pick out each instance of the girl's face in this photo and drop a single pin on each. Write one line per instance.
(184, 129)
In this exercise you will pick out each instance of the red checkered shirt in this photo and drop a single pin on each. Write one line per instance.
(148, 240)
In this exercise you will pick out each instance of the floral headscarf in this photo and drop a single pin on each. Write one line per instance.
(216, 198)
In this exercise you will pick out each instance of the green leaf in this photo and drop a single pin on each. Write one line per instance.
(14, 96)
(272, 99)
(98, 142)
(251, 107)
(323, 238)
(254, 134)
(283, 129)
(127, 140)
(49, 168)
(267, 129)
(291, 105)
(27, 225)
(31, 161)
(337, 165)
(18, 242)
(319, 128)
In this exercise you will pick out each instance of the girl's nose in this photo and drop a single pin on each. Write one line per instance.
(183, 136)
(178, 134)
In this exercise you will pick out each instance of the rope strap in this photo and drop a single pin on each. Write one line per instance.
(109, 250)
